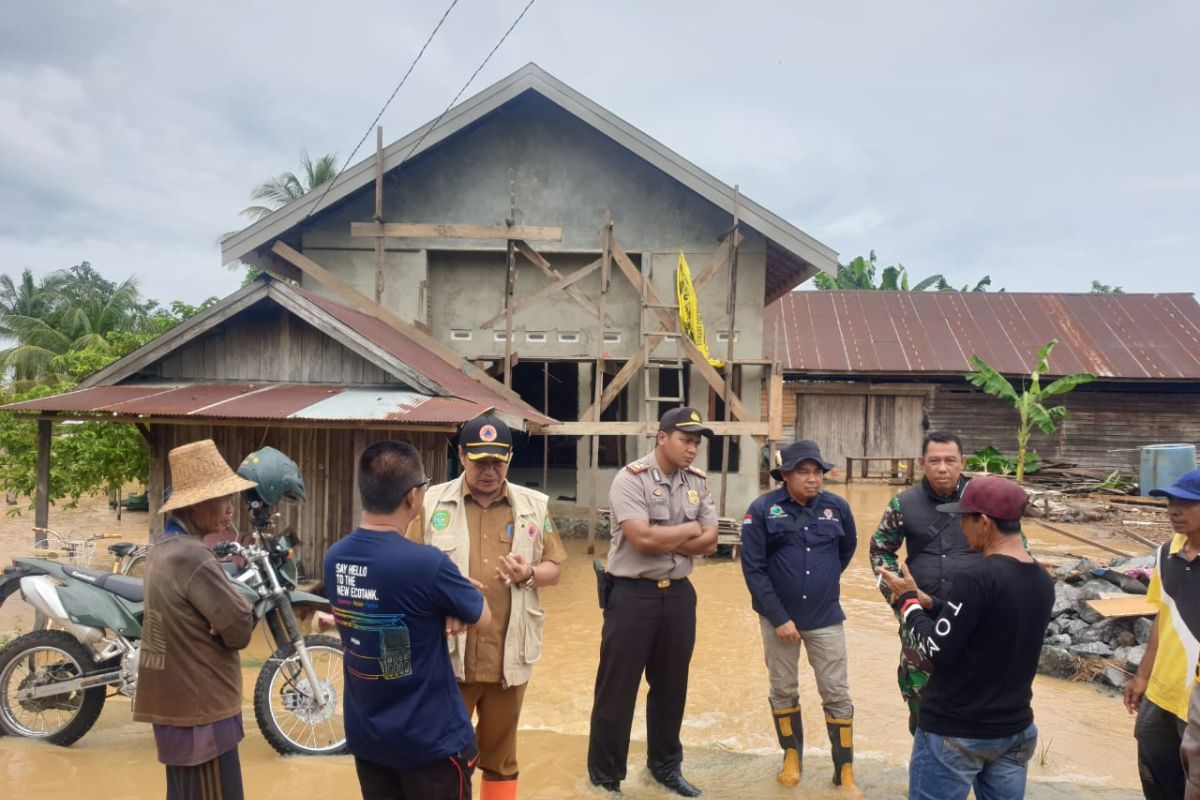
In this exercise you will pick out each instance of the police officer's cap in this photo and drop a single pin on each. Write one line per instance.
(685, 420)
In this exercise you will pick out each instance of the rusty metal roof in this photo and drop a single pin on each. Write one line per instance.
(437, 369)
(268, 402)
(1119, 336)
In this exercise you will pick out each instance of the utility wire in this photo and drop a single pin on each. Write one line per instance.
(478, 69)
(378, 116)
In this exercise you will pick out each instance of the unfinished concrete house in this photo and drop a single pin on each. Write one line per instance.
(538, 235)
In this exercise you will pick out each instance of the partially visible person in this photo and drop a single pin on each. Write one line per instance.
(662, 516)
(975, 728)
(796, 543)
(501, 535)
(935, 549)
(194, 624)
(405, 721)
(1160, 691)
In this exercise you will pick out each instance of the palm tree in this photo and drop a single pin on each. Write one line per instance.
(286, 187)
(860, 274)
(72, 310)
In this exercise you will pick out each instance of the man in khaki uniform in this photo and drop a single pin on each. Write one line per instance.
(662, 515)
(502, 537)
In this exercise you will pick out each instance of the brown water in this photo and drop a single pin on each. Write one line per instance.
(1086, 736)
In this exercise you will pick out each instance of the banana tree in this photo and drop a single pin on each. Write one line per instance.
(1030, 401)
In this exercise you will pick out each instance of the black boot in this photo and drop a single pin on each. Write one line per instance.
(677, 783)
(791, 740)
(841, 739)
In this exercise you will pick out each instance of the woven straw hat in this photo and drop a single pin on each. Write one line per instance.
(198, 473)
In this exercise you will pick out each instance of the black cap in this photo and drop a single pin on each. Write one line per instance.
(684, 420)
(794, 453)
(486, 437)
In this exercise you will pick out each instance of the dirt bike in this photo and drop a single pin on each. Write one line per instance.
(53, 683)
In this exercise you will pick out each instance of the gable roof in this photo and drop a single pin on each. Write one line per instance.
(375, 341)
(796, 255)
(1119, 336)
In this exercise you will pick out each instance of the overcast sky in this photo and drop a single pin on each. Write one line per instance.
(1044, 143)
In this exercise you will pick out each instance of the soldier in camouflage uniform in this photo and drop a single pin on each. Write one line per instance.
(935, 548)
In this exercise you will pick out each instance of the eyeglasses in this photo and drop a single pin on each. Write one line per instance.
(422, 486)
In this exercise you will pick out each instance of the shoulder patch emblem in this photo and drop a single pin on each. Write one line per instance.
(697, 471)
(637, 467)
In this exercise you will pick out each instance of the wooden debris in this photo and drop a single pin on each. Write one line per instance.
(1129, 605)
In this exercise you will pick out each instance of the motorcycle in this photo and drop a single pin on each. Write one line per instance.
(53, 683)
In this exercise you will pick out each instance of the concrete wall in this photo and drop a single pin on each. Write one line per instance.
(565, 175)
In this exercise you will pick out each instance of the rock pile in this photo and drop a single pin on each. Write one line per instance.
(1082, 644)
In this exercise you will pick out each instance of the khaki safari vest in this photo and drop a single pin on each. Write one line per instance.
(446, 529)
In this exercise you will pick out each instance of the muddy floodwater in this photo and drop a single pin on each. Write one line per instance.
(1086, 745)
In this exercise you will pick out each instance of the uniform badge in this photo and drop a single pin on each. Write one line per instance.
(829, 513)
(693, 496)
(776, 511)
(746, 520)
(658, 492)
(695, 417)
(508, 531)
(440, 520)
(548, 525)
(488, 433)
(532, 530)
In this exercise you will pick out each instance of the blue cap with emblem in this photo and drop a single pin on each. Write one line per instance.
(486, 437)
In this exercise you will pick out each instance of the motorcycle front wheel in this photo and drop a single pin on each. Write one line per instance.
(39, 659)
(292, 717)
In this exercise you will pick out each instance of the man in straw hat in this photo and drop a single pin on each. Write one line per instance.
(502, 536)
(189, 672)
(796, 542)
(975, 725)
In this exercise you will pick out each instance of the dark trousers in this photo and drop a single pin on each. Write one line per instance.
(447, 779)
(650, 630)
(219, 779)
(1159, 734)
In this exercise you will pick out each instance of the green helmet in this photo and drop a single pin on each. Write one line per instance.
(277, 476)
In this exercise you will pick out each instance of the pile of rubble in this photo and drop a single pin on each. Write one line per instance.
(1083, 644)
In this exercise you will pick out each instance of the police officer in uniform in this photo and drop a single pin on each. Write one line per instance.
(662, 515)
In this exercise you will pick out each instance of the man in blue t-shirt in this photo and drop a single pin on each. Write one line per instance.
(405, 720)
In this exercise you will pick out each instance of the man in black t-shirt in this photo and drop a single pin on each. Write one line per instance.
(976, 723)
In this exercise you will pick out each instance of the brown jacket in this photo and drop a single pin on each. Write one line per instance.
(186, 675)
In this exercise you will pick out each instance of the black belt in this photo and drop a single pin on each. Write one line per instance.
(658, 583)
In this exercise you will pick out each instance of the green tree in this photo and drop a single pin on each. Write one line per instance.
(1030, 400)
(1104, 288)
(277, 192)
(860, 274)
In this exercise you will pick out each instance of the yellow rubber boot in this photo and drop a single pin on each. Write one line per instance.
(498, 790)
(841, 739)
(791, 739)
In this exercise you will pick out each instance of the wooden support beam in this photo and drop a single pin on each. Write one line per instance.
(639, 428)
(364, 304)
(41, 491)
(145, 432)
(598, 376)
(409, 230)
(720, 257)
(775, 406)
(378, 211)
(510, 281)
(546, 291)
(573, 292)
(699, 362)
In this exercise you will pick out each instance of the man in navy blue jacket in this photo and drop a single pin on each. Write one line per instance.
(796, 542)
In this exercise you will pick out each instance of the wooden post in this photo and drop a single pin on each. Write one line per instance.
(378, 211)
(849, 468)
(510, 282)
(731, 310)
(156, 482)
(546, 439)
(41, 501)
(598, 380)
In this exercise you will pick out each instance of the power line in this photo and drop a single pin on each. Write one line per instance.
(392, 97)
(478, 69)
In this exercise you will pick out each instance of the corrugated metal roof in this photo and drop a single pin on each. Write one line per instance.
(1122, 336)
(260, 401)
(437, 369)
